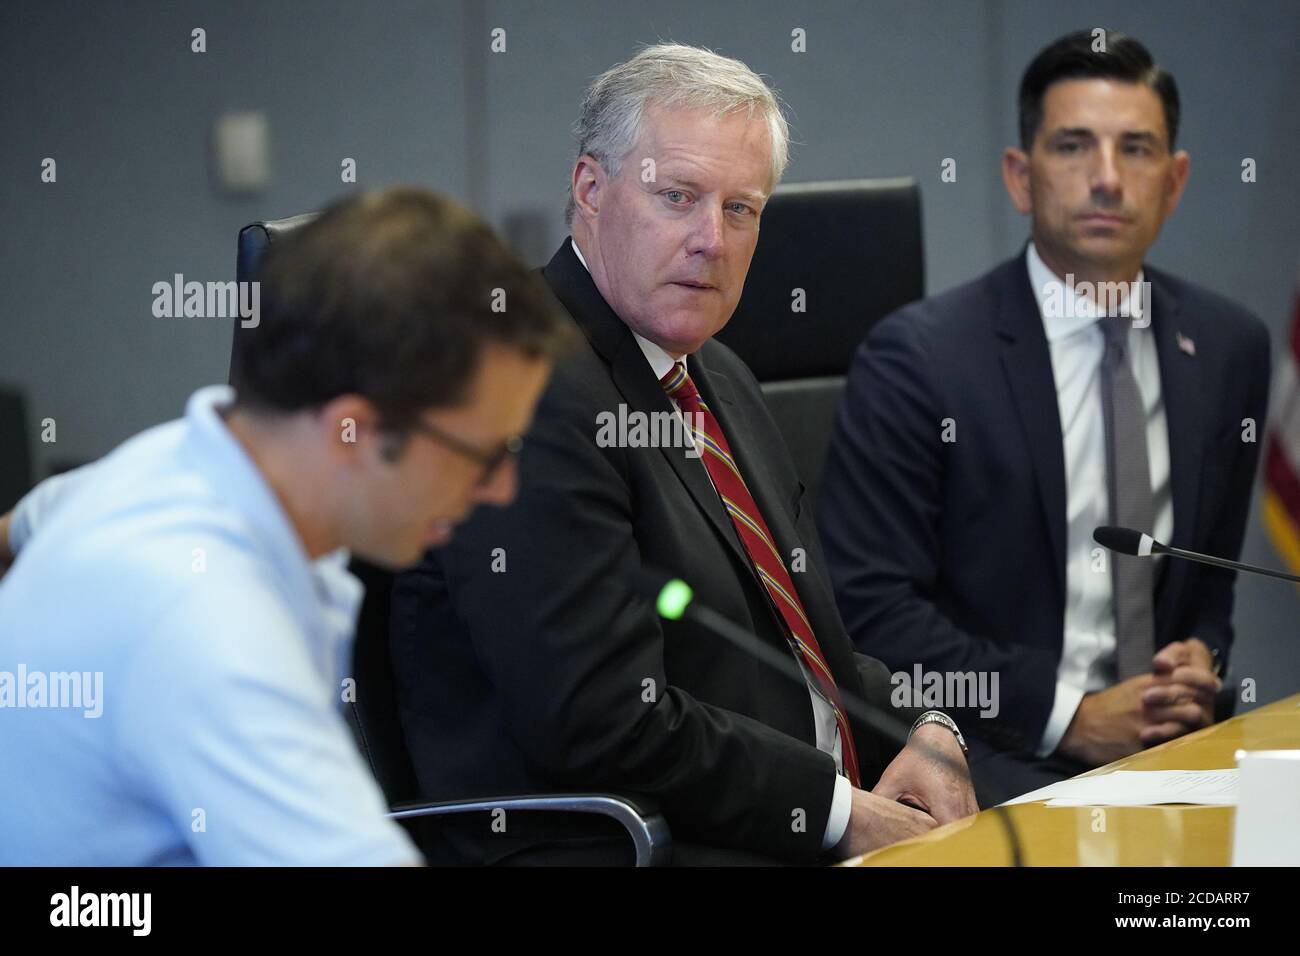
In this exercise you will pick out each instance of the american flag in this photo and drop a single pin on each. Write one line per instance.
(1281, 503)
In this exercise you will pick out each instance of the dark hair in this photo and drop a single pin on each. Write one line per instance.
(391, 296)
(1072, 57)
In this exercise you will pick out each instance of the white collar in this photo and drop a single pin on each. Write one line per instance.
(1050, 292)
(661, 363)
(578, 252)
(324, 584)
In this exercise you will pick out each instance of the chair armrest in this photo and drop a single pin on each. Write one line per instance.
(642, 819)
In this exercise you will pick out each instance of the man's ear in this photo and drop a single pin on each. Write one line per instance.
(588, 182)
(1180, 168)
(1015, 176)
(346, 424)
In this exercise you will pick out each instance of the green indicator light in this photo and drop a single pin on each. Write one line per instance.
(674, 597)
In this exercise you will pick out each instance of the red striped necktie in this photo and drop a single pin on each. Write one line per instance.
(761, 549)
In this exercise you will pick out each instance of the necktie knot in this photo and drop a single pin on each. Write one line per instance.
(677, 383)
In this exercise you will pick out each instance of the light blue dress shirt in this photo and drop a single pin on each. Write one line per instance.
(171, 670)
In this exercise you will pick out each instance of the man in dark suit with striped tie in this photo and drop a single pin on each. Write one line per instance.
(524, 660)
(986, 433)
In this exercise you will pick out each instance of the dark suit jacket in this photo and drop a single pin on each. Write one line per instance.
(552, 675)
(953, 554)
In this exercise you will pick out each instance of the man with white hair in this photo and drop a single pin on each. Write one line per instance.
(524, 660)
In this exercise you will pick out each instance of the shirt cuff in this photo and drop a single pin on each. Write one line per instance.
(1058, 722)
(841, 805)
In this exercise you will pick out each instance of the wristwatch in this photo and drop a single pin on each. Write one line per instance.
(939, 717)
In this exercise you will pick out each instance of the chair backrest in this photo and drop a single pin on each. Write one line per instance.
(832, 259)
(253, 240)
(373, 715)
(16, 462)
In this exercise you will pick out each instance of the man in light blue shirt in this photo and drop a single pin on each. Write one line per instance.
(176, 632)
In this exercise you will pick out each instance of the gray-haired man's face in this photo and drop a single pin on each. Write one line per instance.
(669, 239)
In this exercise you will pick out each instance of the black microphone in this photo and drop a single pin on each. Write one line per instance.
(1135, 543)
(673, 600)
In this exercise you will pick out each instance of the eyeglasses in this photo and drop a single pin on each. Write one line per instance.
(490, 461)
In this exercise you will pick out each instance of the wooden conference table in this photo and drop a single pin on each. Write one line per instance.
(1121, 836)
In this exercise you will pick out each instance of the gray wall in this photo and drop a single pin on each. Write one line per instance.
(411, 91)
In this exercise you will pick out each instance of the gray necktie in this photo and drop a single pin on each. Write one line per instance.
(1128, 474)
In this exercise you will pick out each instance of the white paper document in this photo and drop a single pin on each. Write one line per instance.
(1140, 788)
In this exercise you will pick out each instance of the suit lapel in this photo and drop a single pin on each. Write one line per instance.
(1180, 384)
(635, 380)
(1027, 365)
(778, 514)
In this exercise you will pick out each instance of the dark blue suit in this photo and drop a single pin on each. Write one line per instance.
(952, 554)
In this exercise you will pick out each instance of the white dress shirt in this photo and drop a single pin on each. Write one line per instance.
(827, 728)
(1076, 344)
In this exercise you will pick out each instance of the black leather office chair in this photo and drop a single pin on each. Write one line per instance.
(854, 249)
(16, 459)
(373, 715)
